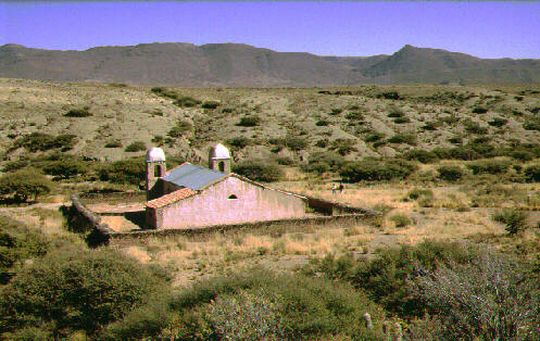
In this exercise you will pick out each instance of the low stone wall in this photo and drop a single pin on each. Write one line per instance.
(113, 196)
(84, 220)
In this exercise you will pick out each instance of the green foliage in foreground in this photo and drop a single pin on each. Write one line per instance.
(36, 142)
(257, 304)
(18, 244)
(259, 170)
(72, 290)
(24, 184)
(385, 278)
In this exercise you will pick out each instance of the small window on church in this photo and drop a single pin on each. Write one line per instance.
(221, 166)
(232, 197)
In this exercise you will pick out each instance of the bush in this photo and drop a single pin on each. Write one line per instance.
(489, 167)
(532, 173)
(125, 172)
(210, 104)
(479, 110)
(409, 139)
(239, 142)
(18, 244)
(418, 193)
(24, 184)
(136, 146)
(65, 168)
(489, 299)
(186, 102)
(344, 146)
(295, 143)
(514, 220)
(400, 220)
(450, 173)
(259, 170)
(182, 127)
(249, 121)
(35, 142)
(78, 113)
(259, 304)
(532, 124)
(475, 128)
(394, 95)
(498, 122)
(113, 144)
(373, 170)
(323, 162)
(322, 123)
(387, 277)
(77, 290)
(401, 120)
(421, 155)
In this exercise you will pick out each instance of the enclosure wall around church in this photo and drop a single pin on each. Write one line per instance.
(231, 201)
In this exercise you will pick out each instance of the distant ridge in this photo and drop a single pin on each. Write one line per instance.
(239, 65)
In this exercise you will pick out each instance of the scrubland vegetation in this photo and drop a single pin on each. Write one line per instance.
(454, 170)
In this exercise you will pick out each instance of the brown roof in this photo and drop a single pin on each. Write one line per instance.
(171, 198)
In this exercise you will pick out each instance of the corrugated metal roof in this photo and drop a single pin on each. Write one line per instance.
(192, 176)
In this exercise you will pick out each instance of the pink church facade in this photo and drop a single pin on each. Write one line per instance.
(232, 200)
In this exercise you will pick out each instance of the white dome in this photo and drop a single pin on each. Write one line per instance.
(220, 152)
(155, 155)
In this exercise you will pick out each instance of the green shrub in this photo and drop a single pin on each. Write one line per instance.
(387, 277)
(490, 298)
(344, 146)
(532, 124)
(182, 127)
(489, 167)
(18, 244)
(394, 95)
(77, 290)
(24, 184)
(400, 220)
(522, 155)
(210, 104)
(498, 122)
(239, 142)
(417, 193)
(78, 113)
(450, 173)
(130, 171)
(322, 162)
(136, 146)
(513, 219)
(259, 170)
(295, 143)
(322, 123)
(373, 170)
(421, 155)
(258, 304)
(113, 144)
(35, 142)
(401, 120)
(479, 110)
(409, 139)
(532, 173)
(249, 121)
(374, 137)
(285, 161)
(354, 116)
(475, 128)
(66, 168)
(186, 102)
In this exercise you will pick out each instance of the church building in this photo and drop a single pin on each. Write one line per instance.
(192, 196)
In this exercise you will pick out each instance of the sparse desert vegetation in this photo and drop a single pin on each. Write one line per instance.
(454, 170)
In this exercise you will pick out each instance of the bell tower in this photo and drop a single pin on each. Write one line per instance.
(155, 169)
(219, 159)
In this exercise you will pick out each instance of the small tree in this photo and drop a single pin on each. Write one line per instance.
(514, 220)
(24, 184)
(136, 146)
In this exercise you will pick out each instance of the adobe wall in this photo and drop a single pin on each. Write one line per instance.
(213, 206)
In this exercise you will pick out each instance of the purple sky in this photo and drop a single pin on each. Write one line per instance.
(484, 29)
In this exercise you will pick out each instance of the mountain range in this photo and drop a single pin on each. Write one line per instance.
(239, 65)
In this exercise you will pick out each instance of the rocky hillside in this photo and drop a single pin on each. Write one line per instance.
(269, 123)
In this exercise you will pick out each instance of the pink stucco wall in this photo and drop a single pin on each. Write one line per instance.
(213, 206)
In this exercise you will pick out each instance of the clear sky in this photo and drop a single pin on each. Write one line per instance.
(484, 29)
